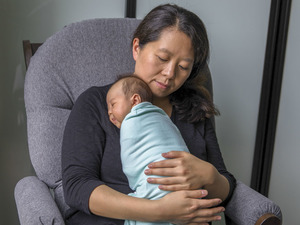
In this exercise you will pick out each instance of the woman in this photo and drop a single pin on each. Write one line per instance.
(170, 47)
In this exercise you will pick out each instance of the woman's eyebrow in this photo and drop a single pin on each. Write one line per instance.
(165, 50)
(170, 53)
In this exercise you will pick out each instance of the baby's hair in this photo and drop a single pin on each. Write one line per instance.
(132, 84)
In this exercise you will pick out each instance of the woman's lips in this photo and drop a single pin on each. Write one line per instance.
(162, 85)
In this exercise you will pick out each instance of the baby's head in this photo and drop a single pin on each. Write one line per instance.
(125, 93)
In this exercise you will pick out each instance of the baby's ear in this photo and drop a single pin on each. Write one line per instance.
(135, 99)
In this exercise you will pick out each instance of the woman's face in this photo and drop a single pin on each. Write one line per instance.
(164, 64)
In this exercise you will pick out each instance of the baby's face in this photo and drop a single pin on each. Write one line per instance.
(118, 105)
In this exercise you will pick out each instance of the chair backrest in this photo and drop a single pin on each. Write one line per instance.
(81, 55)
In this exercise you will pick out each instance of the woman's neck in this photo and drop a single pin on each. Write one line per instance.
(163, 103)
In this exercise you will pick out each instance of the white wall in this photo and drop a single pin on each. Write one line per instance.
(34, 20)
(285, 182)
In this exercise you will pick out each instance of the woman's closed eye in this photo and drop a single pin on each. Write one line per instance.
(163, 59)
(184, 68)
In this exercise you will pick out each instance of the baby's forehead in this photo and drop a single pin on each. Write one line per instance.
(117, 86)
(115, 89)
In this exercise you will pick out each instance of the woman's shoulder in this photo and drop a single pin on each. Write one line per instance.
(94, 93)
(92, 99)
(96, 90)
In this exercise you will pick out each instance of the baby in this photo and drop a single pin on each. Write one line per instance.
(146, 132)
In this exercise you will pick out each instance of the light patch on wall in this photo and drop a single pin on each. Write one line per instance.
(17, 91)
(38, 8)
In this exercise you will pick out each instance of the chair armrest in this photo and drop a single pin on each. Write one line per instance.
(35, 203)
(248, 207)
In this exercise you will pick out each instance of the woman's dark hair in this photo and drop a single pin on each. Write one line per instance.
(191, 103)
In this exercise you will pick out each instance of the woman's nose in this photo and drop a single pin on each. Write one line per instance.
(169, 71)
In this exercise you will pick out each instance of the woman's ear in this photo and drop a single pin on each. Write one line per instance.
(135, 99)
(135, 48)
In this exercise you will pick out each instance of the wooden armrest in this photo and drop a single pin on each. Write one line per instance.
(268, 219)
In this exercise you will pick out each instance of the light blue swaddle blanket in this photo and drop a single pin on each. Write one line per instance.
(146, 133)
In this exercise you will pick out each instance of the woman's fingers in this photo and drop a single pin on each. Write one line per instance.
(208, 203)
(174, 154)
(200, 203)
(170, 183)
(172, 179)
(207, 211)
(189, 207)
(196, 194)
(168, 163)
(198, 224)
(181, 171)
(207, 206)
(169, 167)
(162, 172)
(208, 215)
(176, 187)
(169, 155)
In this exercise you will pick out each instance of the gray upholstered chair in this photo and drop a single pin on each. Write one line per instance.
(82, 55)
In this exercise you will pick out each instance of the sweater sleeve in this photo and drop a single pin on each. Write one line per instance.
(214, 156)
(82, 150)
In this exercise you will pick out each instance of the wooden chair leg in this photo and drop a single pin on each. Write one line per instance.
(268, 219)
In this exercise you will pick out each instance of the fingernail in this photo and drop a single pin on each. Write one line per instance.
(204, 192)
(164, 154)
(147, 171)
(149, 180)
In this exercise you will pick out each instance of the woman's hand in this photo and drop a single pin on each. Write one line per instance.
(188, 207)
(181, 171)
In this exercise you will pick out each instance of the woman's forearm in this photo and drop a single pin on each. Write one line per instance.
(182, 207)
(104, 201)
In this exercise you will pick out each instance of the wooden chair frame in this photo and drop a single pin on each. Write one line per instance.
(29, 49)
